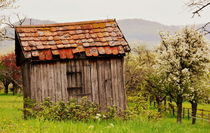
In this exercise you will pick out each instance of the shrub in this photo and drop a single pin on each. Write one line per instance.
(83, 111)
(140, 107)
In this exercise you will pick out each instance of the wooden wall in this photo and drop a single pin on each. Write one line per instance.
(101, 80)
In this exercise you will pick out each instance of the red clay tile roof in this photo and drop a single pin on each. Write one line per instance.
(65, 40)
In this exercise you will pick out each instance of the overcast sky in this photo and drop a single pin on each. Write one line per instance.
(170, 12)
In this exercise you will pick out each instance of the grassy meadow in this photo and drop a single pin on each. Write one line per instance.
(11, 121)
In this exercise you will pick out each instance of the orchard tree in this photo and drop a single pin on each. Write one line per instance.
(156, 87)
(137, 65)
(9, 72)
(182, 57)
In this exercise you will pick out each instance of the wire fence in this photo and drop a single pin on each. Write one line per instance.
(201, 114)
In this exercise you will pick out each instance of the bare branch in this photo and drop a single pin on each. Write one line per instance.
(200, 8)
(197, 6)
(7, 21)
(204, 29)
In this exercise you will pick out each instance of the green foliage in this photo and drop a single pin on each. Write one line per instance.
(140, 107)
(137, 66)
(83, 111)
(11, 121)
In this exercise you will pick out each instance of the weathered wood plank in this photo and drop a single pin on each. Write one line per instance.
(108, 82)
(64, 82)
(52, 84)
(41, 81)
(120, 84)
(101, 84)
(77, 77)
(28, 79)
(59, 81)
(26, 88)
(86, 79)
(123, 80)
(113, 78)
(45, 75)
(34, 80)
(68, 79)
(94, 81)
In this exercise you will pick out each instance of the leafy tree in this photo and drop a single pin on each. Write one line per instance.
(137, 65)
(182, 57)
(156, 87)
(9, 72)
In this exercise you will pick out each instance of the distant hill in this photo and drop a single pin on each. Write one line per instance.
(143, 31)
(135, 30)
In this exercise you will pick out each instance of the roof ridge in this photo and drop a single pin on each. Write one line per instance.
(66, 24)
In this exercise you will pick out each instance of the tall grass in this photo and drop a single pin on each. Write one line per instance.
(11, 121)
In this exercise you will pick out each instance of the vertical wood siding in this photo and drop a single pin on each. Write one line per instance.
(101, 80)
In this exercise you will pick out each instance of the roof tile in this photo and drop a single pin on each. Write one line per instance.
(49, 38)
(27, 48)
(48, 55)
(87, 52)
(25, 43)
(74, 45)
(53, 29)
(99, 25)
(79, 31)
(27, 54)
(55, 52)
(69, 53)
(108, 50)
(67, 46)
(87, 26)
(41, 55)
(62, 53)
(86, 44)
(53, 46)
(40, 47)
(101, 50)
(121, 50)
(94, 38)
(22, 34)
(114, 50)
(60, 46)
(40, 33)
(72, 32)
(35, 53)
(33, 48)
(94, 51)
(78, 49)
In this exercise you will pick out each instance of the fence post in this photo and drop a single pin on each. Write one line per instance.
(209, 118)
(183, 112)
(188, 113)
(202, 114)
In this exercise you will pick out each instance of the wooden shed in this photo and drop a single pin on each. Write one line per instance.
(72, 60)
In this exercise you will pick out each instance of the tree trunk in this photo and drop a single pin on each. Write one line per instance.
(179, 110)
(194, 111)
(6, 88)
(165, 103)
(159, 103)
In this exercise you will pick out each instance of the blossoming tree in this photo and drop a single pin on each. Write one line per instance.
(184, 59)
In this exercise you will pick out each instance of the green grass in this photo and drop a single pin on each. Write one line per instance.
(11, 121)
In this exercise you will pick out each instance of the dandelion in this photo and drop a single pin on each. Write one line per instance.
(91, 127)
(111, 125)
